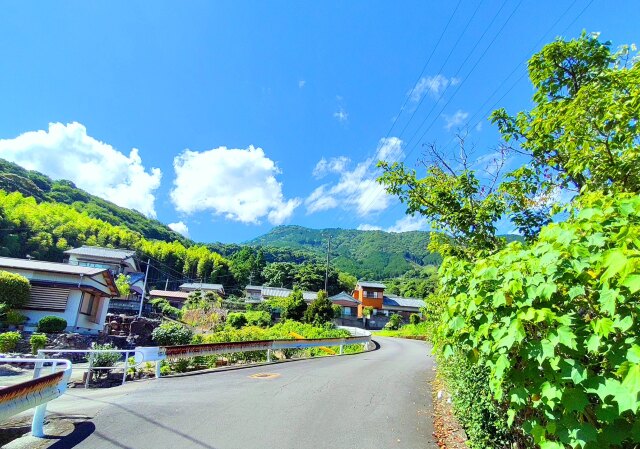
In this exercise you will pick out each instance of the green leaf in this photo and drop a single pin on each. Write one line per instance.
(607, 300)
(633, 354)
(566, 337)
(574, 399)
(577, 290)
(501, 365)
(603, 327)
(593, 343)
(551, 445)
(615, 261)
(632, 282)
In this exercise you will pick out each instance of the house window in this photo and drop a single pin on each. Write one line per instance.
(368, 294)
(89, 306)
(346, 311)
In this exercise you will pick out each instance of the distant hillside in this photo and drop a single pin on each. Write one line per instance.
(14, 178)
(365, 254)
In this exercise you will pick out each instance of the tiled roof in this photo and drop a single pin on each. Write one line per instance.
(371, 284)
(309, 296)
(253, 287)
(397, 301)
(201, 286)
(276, 292)
(105, 253)
(344, 297)
(52, 267)
(168, 294)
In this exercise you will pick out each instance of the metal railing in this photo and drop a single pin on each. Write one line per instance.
(36, 392)
(91, 357)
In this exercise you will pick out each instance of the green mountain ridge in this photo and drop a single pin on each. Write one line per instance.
(365, 254)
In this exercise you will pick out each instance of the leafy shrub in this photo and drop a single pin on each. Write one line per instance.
(557, 326)
(38, 341)
(168, 334)
(14, 289)
(52, 324)
(105, 358)
(414, 319)
(294, 306)
(394, 322)
(9, 340)
(15, 318)
(237, 320)
(337, 311)
(258, 318)
(165, 307)
(320, 310)
(202, 319)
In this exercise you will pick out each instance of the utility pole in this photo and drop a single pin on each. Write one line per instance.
(144, 288)
(326, 274)
(166, 285)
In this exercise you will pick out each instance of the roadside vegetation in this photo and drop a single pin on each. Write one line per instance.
(538, 341)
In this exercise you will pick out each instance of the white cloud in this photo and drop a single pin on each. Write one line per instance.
(333, 165)
(341, 115)
(239, 184)
(368, 227)
(455, 119)
(67, 152)
(479, 127)
(301, 83)
(433, 85)
(357, 189)
(180, 228)
(404, 224)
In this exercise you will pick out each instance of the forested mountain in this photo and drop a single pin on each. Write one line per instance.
(14, 178)
(365, 254)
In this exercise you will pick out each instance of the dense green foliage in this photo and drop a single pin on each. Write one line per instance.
(15, 318)
(292, 307)
(364, 254)
(414, 319)
(320, 310)
(52, 324)
(169, 334)
(37, 341)
(122, 283)
(105, 359)
(237, 320)
(394, 322)
(9, 340)
(14, 289)
(14, 178)
(539, 341)
(416, 283)
(558, 325)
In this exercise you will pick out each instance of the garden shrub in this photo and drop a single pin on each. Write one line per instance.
(38, 341)
(237, 320)
(414, 318)
(15, 318)
(106, 359)
(394, 322)
(14, 289)
(52, 324)
(258, 318)
(9, 341)
(169, 334)
(557, 326)
(320, 310)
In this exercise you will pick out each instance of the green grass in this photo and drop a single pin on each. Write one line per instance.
(408, 330)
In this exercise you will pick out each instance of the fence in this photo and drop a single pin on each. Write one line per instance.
(36, 392)
(91, 357)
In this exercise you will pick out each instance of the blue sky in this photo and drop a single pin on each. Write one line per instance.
(245, 115)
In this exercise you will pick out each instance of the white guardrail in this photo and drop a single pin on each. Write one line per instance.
(36, 392)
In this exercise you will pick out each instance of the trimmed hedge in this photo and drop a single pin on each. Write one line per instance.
(52, 324)
(14, 289)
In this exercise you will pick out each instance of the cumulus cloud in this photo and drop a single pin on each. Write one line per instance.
(333, 165)
(455, 119)
(239, 184)
(341, 115)
(357, 188)
(301, 83)
(404, 224)
(180, 227)
(433, 85)
(67, 152)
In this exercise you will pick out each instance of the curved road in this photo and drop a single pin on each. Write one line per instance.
(379, 399)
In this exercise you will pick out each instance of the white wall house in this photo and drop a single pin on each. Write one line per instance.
(78, 294)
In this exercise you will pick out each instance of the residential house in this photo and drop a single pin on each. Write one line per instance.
(118, 261)
(372, 294)
(193, 286)
(79, 294)
(258, 293)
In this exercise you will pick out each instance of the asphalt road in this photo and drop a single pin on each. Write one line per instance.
(380, 399)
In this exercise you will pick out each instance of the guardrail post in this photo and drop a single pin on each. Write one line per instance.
(341, 349)
(126, 367)
(86, 381)
(158, 362)
(268, 355)
(38, 366)
(37, 424)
